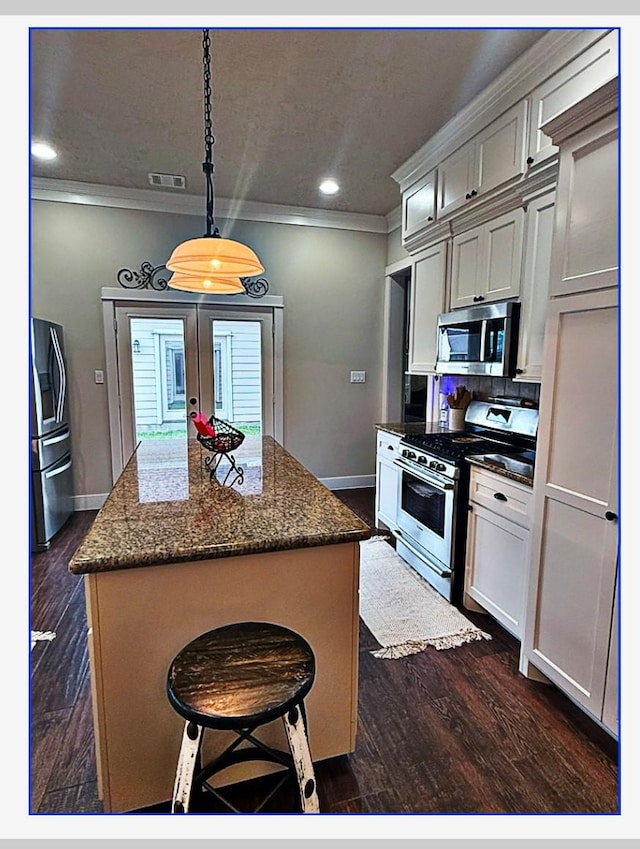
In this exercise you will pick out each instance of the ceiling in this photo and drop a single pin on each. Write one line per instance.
(289, 106)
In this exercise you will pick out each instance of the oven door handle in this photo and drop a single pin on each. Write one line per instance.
(443, 484)
(443, 573)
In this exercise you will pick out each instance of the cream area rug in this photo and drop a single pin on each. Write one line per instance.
(38, 636)
(402, 611)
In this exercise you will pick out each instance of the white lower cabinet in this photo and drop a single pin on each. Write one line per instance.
(497, 548)
(387, 479)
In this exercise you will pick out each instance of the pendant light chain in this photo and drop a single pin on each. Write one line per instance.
(209, 140)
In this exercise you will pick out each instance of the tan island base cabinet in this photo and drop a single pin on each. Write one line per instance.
(140, 618)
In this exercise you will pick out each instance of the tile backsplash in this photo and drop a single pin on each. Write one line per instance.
(482, 387)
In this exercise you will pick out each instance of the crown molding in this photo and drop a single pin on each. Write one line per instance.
(150, 200)
(537, 64)
(600, 103)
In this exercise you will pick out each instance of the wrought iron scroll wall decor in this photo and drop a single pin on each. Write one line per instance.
(148, 278)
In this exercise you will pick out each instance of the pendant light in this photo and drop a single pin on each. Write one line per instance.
(211, 263)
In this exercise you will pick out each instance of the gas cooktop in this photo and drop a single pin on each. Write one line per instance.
(454, 446)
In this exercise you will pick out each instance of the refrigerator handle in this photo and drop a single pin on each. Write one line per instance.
(58, 471)
(63, 375)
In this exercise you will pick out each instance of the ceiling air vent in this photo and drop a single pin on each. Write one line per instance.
(171, 181)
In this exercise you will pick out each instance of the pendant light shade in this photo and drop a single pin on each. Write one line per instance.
(208, 285)
(214, 257)
(211, 263)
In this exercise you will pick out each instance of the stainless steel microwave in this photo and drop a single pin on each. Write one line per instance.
(482, 339)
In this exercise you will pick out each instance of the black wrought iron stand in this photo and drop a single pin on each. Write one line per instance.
(224, 440)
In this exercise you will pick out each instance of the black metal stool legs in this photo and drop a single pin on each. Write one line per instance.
(191, 777)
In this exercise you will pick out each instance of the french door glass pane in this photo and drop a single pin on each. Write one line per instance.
(159, 394)
(237, 377)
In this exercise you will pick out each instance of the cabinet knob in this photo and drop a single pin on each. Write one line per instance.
(519, 371)
(468, 195)
(473, 193)
(477, 298)
(429, 217)
(499, 496)
(611, 517)
(530, 160)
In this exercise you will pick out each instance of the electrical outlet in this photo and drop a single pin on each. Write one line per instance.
(98, 376)
(358, 376)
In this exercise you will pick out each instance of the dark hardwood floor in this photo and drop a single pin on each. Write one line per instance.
(453, 731)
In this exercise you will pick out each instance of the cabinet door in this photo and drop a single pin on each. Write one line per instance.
(574, 529)
(585, 250)
(583, 75)
(503, 265)
(457, 175)
(500, 149)
(418, 206)
(495, 574)
(428, 278)
(467, 267)
(387, 489)
(534, 294)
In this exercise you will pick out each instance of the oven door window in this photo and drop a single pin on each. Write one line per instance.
(460, 343)
(424, 502)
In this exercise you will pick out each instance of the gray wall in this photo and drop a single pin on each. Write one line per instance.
(395, 251)
(332, 285)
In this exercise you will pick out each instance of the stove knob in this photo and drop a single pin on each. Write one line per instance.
(433, 464)
(406, 453)
(440, 467)
(422, 459)
(411, 455)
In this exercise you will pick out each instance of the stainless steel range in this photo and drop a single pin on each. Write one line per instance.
(432, 510)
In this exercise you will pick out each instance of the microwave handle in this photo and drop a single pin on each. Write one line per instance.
(483, 339)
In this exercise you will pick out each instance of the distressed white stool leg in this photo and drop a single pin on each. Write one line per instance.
(191, 741)
(299, 746)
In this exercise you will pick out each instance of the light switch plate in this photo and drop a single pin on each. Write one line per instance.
(98, 376)
(358, 376)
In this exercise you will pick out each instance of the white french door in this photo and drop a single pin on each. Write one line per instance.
(174, 360)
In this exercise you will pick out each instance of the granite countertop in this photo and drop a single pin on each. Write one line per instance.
(514, 468)
(165, 509)
(410, 428)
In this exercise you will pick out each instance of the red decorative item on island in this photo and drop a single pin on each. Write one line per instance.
(202, 424)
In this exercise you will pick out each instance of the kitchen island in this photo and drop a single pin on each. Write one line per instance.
(172, 554)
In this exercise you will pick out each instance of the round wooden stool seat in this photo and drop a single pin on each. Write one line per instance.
(240, 675)
(237, 678)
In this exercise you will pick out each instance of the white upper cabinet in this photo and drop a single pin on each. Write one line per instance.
(486, 263)
(428, 280)
(419, 206)
(585, 254)
(534, 290)
(492, 158)
(584, 74)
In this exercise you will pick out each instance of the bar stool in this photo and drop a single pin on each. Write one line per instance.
(237, 678)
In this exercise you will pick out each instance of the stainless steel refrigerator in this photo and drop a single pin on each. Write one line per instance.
(51, 463)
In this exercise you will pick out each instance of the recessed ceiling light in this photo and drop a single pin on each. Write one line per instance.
(329, 187)
(42, 151)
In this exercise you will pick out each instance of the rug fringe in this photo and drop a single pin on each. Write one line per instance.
(414, 646)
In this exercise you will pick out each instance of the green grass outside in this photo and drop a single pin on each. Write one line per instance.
(180, 433)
